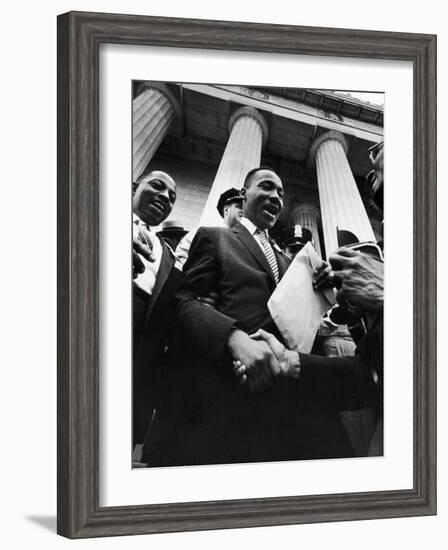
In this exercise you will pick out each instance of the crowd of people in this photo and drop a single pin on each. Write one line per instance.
(213, 381)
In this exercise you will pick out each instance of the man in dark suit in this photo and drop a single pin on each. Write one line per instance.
(213, 418)
(358, 276)
(230, 208)
(155, 281)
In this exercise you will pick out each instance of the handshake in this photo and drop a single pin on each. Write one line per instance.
(260, 358)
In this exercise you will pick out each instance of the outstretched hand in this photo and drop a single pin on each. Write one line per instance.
(260, 363)
(288, 361)
(324, 277)
(361, 279)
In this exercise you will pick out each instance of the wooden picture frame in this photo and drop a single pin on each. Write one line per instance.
(79, 38)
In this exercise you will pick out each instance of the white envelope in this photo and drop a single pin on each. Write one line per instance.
(295, 306)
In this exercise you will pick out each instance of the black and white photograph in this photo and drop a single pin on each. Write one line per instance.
(257, 274)
(221, 330)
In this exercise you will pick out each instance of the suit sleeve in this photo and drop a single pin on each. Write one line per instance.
(339, 383)
(206, 328)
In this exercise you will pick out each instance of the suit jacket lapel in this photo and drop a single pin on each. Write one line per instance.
(166, 264)
(283, 261)
(249, 242)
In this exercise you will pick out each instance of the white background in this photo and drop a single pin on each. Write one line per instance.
(28, 289)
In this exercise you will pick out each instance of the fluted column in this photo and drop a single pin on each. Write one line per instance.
(248, 132)
(340, 202)
(153, 112)
(307, 216)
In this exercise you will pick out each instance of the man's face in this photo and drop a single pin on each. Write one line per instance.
(233, 213)
(154, 198)
(264, 199)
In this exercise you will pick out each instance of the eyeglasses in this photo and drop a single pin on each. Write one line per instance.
(374, 150)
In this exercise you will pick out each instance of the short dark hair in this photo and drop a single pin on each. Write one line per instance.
(254, 171)
(139, 180)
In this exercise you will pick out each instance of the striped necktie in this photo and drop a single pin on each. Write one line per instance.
(269, 253)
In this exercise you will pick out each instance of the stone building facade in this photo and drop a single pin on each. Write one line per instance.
(208, 137)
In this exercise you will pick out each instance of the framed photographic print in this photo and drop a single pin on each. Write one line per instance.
(212, 371)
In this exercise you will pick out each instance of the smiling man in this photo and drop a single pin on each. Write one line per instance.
(155, 280)
(153, 200)
(349, 381)
(214, 419)
(154, 197)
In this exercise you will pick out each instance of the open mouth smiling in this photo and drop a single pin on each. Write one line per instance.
(158, 205)
(271, 209)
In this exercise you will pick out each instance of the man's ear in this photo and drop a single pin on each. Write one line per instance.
(243, 192)
(134, 187)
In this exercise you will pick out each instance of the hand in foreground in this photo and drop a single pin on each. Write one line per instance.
(259, 361)
(138, 266)
(361, 280)
(288, 360)
(324, 277)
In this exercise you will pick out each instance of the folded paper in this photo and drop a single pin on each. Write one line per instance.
(295, 306)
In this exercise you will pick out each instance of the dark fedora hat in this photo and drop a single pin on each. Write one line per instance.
(172, 232)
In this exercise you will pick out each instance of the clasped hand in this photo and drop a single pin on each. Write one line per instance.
(260, 358)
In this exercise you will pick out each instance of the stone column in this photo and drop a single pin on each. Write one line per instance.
(307, 215)
(340, 202)
(153, 112)
(248, 133)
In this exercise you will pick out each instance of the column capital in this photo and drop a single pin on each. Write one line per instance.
(163, 89)
(301, 208)
(331, 135)
(253, 113)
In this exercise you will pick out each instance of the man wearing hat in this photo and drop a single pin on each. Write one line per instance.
(230, 208)
(172, 232)
(294, 239)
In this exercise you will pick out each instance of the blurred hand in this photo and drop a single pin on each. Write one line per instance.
(257, 357)
(361, 279)
(324, 277)
(138, 248)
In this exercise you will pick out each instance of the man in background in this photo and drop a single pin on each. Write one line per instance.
(230, 208)
(294, 239)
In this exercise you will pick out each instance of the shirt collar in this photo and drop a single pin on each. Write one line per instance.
(249, 225)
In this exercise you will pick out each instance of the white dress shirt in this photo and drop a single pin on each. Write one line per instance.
(266, 247)
(252, 228)
(183, 248)
(142, 232)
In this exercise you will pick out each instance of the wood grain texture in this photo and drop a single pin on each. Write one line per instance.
(79, 37)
